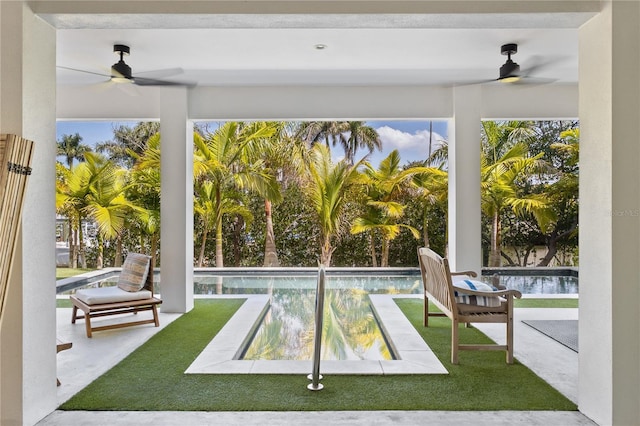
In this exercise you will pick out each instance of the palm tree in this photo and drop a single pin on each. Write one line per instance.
(72, 148)
(433, 189)
(207, 209)
(226, 158)
(563, 193)
(144, 192)
(78, 193)
(384, 211)
(129, 142)
(67, 210)
(327, 188)
(351, 135)
(284, 154)
(358, 135)
(71, 199)
(106, 202)
(314, 132)
(500, 190)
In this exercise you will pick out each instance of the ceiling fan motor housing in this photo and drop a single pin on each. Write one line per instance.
(510, 68)
(121, 69)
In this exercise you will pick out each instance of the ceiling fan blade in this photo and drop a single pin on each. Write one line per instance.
(158, 74)
(530, 80)
(84, 71)
(141, 81)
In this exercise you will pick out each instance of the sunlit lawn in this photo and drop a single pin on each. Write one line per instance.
(70, 272)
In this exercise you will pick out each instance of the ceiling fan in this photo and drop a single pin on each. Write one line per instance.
(121, 72)
(511, 73)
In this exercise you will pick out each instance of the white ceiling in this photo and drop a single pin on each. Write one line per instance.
(281, 49)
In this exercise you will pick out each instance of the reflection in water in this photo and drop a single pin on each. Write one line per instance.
(350, 330)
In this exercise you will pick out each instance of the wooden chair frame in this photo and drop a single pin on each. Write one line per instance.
(105, 309)
(438, 285)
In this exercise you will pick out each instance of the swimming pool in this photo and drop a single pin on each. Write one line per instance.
(529, 281)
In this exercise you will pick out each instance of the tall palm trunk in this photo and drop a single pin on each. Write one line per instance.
(117, 261)
(237, 238)
(384, 262)
(100, 257)
(425, 228)
(219, 258)
(81, 256)
(203, 244)
(73, 247)
(372, 243)
(325, 256)
(270, 252)
(496, 243)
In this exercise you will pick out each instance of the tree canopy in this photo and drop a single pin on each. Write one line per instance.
(275, 193)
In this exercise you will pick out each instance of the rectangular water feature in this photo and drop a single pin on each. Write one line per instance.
(351, 330)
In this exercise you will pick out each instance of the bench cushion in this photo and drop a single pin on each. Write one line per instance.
(134, 272)
(96, 296)
(469, 299)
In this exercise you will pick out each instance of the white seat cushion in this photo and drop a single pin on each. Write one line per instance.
(96, 296)
(468, 299)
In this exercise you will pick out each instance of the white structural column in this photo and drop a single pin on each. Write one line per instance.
(609, 388)
(27, 108)
(176, 212)
(465, 252)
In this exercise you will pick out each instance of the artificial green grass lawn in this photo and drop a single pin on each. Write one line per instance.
(152, 377)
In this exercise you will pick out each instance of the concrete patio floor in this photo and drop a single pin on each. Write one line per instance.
(89, 358)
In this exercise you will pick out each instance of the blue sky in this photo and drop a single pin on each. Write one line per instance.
(410, 137)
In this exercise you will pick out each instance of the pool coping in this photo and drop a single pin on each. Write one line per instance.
(415, 355)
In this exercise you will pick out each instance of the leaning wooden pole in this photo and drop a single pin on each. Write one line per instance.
(15, 168)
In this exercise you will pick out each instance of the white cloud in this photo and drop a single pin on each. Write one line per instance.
(397, 139)
(411, 146)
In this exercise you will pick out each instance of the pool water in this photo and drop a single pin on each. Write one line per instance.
(533, 284)
(350, 328)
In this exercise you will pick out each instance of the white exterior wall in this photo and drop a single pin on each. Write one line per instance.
(609, 387)
(28, 335)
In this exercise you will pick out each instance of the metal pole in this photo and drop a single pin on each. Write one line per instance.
(315, 374)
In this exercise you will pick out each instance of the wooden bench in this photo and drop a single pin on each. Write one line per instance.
(438, 285)
(135, 305)
(62, 346)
